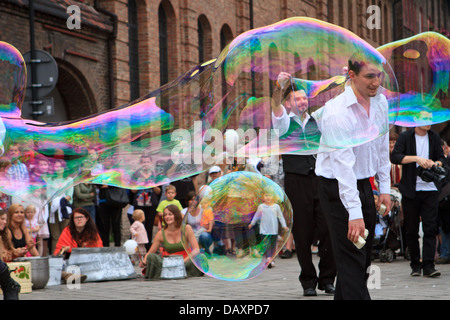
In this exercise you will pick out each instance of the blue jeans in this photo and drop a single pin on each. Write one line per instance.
(445, 245)
(91, 210)
(205, 239)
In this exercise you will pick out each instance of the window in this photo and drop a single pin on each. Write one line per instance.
(204, 39)
(274, 64)
(133, 49)
(331, 11)
(201, 43)
(163, 46)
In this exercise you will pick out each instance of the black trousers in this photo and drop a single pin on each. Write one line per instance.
(109, 217)
(3, 266)
(352, 263)
(302, 191)
(425, 206)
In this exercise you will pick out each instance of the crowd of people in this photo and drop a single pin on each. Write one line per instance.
(85, 216)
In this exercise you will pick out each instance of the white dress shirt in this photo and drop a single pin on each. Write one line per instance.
(361, 142)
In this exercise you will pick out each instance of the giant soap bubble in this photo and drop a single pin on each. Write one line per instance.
(181, 125)
(248, 208)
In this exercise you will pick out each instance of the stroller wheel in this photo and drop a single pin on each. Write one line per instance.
(389, 255)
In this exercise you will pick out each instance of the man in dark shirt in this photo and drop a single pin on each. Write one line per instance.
(419, 147)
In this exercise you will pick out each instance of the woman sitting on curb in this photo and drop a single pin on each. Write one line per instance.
(169, 237)
(80, 233)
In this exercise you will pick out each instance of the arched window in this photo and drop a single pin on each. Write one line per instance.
(163, 46)
(201, 42)
(204, 39)
(368, 35)
(386, 26)
(331, 11)
(350, 16)
(133, 49)
(374, 31)
(225, 38)
(274, 66)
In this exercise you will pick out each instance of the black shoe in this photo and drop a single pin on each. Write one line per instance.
(328, 288)
(431, 272)
(309, 292)
(416, 271)
(287, 254)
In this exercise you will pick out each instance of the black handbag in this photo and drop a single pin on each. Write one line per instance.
(116, 197)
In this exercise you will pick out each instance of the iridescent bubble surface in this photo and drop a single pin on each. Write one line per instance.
(245, 207)
(182, 124)
(422, 65)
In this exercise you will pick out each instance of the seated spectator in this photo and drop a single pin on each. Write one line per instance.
(6, 246)
(5, 199)
(18, 234)
(80, 233)
(169, 237)
(9, 287)
(201, 219)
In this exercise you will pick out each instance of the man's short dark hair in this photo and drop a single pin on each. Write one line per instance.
(358, 60)
(356, 66)
(293, 86)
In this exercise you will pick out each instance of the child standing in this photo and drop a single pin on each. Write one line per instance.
(138, 232)
(31, 223)
(170, 193)
(269, 213)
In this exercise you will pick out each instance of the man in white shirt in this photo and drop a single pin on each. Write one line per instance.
(355, 123)
(297, 128)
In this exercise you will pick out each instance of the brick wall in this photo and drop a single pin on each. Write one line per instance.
(81, 56)
(182, 16)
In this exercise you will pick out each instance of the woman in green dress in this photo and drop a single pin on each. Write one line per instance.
(169, 238)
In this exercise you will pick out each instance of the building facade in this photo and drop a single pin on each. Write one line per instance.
(124, 49)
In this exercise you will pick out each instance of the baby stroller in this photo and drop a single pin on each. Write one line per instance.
(389, 234)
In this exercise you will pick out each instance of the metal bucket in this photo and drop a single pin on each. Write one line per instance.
(55, 270)
(102, 264)
(173, 267)
(39, 270)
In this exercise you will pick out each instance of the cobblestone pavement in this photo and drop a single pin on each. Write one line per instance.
(389, 281)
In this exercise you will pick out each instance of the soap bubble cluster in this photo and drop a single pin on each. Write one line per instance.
(181, 128)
